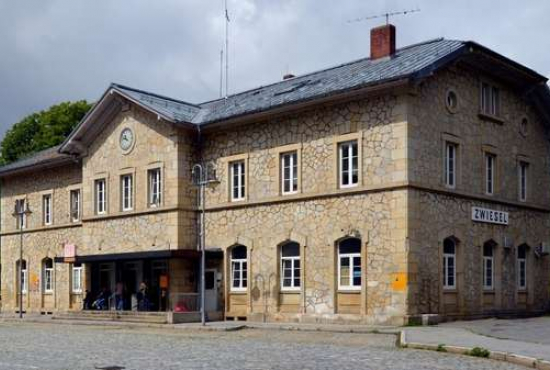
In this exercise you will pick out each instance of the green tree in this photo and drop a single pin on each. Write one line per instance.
(41, 130)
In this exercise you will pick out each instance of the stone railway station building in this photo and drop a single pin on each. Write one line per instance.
(413, 182)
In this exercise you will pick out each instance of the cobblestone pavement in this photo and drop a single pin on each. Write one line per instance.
(532, 330)
(51, 346)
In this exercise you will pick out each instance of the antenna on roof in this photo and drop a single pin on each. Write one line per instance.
(226, 51)
(384, 15)
(221, 73)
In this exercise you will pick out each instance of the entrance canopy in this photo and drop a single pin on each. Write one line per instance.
(166, 254)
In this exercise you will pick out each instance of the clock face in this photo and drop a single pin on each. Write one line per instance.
(126, 139)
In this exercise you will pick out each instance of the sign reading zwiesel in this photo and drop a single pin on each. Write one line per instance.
(489, 215)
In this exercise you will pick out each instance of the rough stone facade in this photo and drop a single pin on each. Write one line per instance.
(400, 210)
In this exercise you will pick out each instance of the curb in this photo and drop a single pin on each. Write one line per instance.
(509, 357)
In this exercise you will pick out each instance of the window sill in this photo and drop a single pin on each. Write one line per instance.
(291, 291)
(490, 117)
(349, 290)
(450, 290)
(244, 291)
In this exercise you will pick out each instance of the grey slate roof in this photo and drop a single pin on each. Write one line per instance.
(360, 73)
(44, 158)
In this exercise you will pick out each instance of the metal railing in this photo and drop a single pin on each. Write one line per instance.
(184, 302)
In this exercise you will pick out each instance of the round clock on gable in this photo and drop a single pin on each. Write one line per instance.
(127, 139)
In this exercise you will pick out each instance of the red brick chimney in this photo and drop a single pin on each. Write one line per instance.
(382, 41)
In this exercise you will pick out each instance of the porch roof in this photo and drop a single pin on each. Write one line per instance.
(163, 254)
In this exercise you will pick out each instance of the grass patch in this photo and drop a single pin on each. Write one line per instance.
(441, 348)
(479, 352)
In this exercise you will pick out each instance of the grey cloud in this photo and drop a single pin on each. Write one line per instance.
(57, 50)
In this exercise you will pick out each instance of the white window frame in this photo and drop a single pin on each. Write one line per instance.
(523, 177)
(490, 99)
(154, 179)
(100, 195)
(351, 257)
(74, 201)
(489, 266)
(47, 209)
(345, 153)
(24, 278)
(289, 160)
(21, 222)
(47, 275)
(76, 279)
(447, 257)
(127, 192)
(521, 272)
(451, 162)
(295, 272)
(490, 161)
(240, 265)
(238, 180)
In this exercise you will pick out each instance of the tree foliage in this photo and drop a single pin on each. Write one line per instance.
(41, 130)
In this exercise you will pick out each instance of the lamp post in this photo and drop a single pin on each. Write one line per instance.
(202, 177)
(21, 212)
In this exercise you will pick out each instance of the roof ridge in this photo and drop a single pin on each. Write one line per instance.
(124, 87)
(320, 70)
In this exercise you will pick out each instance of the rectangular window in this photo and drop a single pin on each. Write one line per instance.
(522, 268)
(155, 187)
(77, 278)
(289, 172)
(75, 205)
(47, 209)
(490, 100)
(21, 221)
(48, 279)
(239, 269)
(449, 264)
(24, 280)
(238, 188)
(127, 192)
(450, 164)
(488, 267)
(349, 271)
(490, 173)
(100, 197)
(349, 164)
(523, 172)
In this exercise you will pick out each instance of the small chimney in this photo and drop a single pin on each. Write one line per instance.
(382, 41)
(288, 76)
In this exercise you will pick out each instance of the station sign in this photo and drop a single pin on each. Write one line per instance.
(490, 216)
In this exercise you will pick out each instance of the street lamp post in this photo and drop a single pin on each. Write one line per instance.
(21, 212)
(202, 177)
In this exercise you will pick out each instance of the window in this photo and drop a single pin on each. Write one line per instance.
(449, 264)
(77, 278)
(155, 187)
(522, 267)
(349, 164)
(47, 275)
(523, 168)
(23, 278)
(290, 266)
(349, 264)
(490, 173)
(451, 101)
(238, 268)
(488, 266)
(100, 197)
(490, 100)
(289, 172)
(238, 189)
(21, 221)
(75, 205)
(127, 192)
(450, 164)
(524, 127)
(47, 209)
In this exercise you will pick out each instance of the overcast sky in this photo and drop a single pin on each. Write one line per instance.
(58, 50)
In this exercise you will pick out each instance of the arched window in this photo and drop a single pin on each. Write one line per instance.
(488, 265)
(47, 275)
(522, 267)
(239, 268)
(22, 282)
(349, 264)
(449, 263)
(290, 266)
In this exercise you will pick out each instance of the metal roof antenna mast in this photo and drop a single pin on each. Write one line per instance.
(384, 15)
(227, 20)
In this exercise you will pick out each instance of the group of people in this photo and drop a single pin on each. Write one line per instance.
(105, 299)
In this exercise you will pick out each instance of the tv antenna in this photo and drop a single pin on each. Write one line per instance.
(384, 15)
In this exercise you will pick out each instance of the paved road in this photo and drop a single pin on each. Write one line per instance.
(60, 347)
